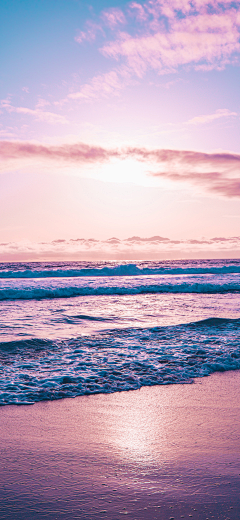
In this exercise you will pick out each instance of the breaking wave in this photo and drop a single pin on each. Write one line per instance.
(119, 270)
(37, 293)
(116, 360)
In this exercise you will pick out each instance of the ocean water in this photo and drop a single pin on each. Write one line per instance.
(74, 328)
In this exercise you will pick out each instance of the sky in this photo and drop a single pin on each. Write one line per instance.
(119, 129)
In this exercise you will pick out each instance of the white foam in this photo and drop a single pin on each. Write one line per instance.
(69, 287)
(117, 360)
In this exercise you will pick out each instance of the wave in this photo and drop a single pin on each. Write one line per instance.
(37, 344)
(116, 360)
(39, 293)
(119, 270)
(83, 317)
(215, 322)
(41, 344)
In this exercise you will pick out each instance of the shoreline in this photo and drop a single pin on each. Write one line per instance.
(158, 452)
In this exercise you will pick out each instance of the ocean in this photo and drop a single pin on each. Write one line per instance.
(77, 328)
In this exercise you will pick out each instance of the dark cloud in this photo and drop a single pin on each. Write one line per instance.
(76, 152)
(216, 172)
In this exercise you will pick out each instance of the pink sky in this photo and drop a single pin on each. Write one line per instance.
(122, 121)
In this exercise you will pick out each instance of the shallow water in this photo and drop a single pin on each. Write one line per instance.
(70, 329)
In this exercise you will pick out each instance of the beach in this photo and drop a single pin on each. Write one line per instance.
(120, 260)
(161, 452)
(107, 408)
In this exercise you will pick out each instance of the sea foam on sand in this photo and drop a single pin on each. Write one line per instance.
(155, 453)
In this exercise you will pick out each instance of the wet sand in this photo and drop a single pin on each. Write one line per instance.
(157, 453)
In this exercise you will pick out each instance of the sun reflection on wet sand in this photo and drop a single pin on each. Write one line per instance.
(125, 453)
(132, 433)
(171, 422)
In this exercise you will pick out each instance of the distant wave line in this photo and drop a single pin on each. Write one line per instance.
(68, 292)
(120, 270)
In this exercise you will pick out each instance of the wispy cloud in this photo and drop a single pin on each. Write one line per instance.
(37, 113)
(208, 118)
(103, 85)
(179, 33)
(42, 103)
(89, 35)
(113, 17)
(109, 19)
(164, 36)
(216, 172)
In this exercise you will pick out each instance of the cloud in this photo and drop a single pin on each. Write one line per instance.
(76, 152)
(208, 118)
(110, 18)
(154, 239)
(188, 42)
(160, 36)
(115, 248)
(138, 11)
(216, 172)
(104, 85)
(37, 113)
(42, 103)
(113, 17)
(166, 35)
(213, 181)
(92, 29)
